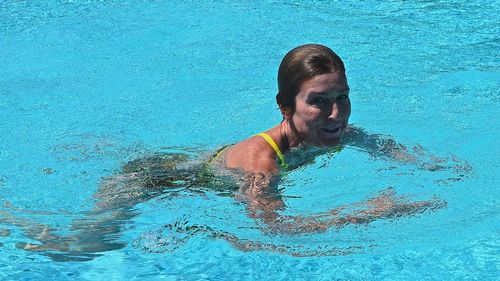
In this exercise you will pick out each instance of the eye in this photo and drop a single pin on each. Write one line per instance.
(318, 100)
(343, 97)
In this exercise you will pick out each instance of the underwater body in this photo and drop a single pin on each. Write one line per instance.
(89, 88)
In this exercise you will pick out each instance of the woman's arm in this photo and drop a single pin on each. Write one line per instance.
(383, 146)
(265, 204)
(379, 145)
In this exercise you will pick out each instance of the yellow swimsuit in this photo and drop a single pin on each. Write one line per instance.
(273, 144)
(269, 140)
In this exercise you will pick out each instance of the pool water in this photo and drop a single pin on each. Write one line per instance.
(87, 86)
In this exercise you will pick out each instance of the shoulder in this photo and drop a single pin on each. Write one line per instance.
(252, 155)
(266, 165)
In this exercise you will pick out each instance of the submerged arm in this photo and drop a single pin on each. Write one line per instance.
(384, 146)
(379, 145)
(265, 204)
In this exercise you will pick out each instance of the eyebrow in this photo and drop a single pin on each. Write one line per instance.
(327, 94)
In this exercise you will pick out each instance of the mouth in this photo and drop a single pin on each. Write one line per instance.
(331, 134)
(331, 130)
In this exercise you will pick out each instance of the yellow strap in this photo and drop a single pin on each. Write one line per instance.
(218, 155)
(273, 144)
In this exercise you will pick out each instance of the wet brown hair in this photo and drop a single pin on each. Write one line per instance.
(301, 64)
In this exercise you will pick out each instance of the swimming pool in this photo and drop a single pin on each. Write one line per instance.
(87, 86)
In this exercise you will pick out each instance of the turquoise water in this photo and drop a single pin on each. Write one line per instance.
(87, 86)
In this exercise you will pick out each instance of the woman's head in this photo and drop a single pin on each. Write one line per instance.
(314, 95)
(302, 64)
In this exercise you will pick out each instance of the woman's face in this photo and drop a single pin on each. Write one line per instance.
(322, 109)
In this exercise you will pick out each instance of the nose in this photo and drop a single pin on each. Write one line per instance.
(335, 111)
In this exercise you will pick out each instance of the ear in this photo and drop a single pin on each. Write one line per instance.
(286, 112)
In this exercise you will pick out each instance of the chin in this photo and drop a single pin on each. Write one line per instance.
(328, 143)
(331, 143)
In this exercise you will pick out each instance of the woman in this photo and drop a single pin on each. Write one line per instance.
(313, 97)
(314, 101)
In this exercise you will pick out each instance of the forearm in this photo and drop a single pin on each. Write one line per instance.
(383, 206)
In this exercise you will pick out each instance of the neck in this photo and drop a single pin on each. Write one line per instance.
(286, 135)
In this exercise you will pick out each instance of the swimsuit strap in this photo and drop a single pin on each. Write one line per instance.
(273, 144)
(217, 155)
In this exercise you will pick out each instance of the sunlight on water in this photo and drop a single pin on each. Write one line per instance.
(98, 97)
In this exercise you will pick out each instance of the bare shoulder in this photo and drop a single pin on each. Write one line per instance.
(251, 155)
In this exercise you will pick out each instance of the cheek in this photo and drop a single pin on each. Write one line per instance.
(309, 114)
(346, 110)
(301, 117)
